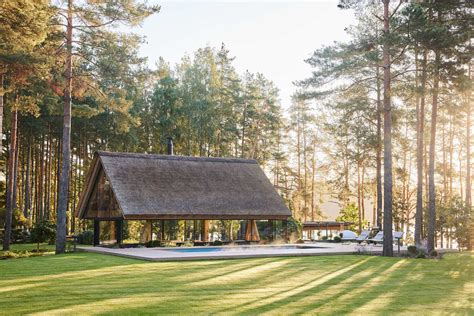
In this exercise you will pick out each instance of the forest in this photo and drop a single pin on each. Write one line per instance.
(382, 126)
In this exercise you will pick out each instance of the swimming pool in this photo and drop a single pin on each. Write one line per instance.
(231, 248)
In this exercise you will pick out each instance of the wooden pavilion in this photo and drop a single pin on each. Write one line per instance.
(326, 226)
(129, 186)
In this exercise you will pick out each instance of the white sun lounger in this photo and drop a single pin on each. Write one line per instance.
(348, 236)
(363, 236)
(377, 239)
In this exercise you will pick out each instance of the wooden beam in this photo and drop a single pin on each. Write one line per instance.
(119, 231)
(251, 231)
(96, 232)
(285, 230)
(205, 230)
(162, 229)
(270, 227)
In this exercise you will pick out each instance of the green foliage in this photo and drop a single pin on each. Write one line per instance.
(337, 239)
(420, 255)
(455, 218)
(44, 231)
(86, 237)
(350, 214)
(153, 244)
(412, 250)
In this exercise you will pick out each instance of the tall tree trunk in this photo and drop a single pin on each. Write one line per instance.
(468, 162)
(431, 166)
(313, 175)
(468, 152)
(387, 209)
(379, 153)
(362, 191)
(15, 167)
(305, 185)
(359, 206)
(419, 154)
(66, 143)
(2, 79)
(11, 182)
(26, 208)
(298, 162)
(244, 122)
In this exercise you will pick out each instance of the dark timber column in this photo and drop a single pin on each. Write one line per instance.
(270, 228)
(194, 229)
(205, 230)
(162, 228)
(285, 230)
(119, 231)
(96, 232)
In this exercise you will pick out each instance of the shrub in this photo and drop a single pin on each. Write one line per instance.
(21, 254)
(153, 244)
(412, 250)
(300, 241)
(9, 255)
(217, 243)
(337, 239)
(86, 237)
(421, 255)
(324, 238)
(43, 231)
(433, 253)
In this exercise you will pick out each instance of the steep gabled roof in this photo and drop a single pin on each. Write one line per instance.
(177, 187)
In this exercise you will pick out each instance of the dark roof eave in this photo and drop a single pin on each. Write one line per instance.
(205, 216)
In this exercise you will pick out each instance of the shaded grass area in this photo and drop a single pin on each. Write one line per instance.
(27, 250)
(87, 283)
(31, 247)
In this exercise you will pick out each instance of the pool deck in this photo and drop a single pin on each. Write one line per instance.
(238, 252)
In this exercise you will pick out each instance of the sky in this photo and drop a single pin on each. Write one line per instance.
(270, 37)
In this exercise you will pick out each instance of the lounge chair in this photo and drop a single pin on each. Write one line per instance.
(348, 236)
(363, 236)
(377, 239)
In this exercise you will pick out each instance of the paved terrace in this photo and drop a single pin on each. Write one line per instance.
(235, 252)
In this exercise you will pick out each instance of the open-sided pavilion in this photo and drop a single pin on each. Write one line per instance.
(130, 186)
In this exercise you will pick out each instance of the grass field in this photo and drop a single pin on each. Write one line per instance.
(86, 283)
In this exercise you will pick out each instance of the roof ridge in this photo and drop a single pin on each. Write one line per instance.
(173, 157)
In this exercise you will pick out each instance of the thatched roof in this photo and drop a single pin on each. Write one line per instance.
(325, 224)
(147, 186)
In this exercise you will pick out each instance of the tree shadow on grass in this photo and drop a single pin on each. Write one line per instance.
(442, 283)
(351, 285)
(358, 267)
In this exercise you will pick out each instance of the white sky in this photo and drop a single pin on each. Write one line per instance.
(271, 37)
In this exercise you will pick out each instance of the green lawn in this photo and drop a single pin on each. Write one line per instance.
(32, 247)
(85, 283)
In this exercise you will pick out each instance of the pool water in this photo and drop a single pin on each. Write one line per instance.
(217, 249)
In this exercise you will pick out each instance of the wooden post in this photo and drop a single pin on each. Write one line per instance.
(194, 229)
(162, 230)
(119, 231)
(251, 231)
(205, 230)
(96, 232)
(285, 230)
(270, 227)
